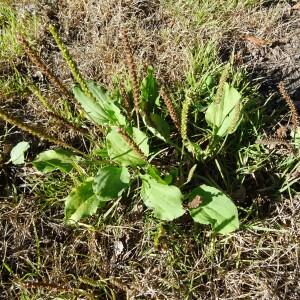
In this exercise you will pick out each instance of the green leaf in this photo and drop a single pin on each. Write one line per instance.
(215, 209)
(59, 159)
(17, 153)
(225, 116)
(172, 176)
(103, 111)
(81, 202)
(165, 200)
(110, 182)
(149, 92)
(120, 151)
(158, 126)
(153, 172)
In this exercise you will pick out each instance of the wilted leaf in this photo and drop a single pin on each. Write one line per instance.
(120, 151)
(195, 202)
(110, 182)
(225, 115)
(215, 209)
(17, 153)
(101, 112)
(165, 200)
(256, 41)
(59, 159)
(81, 202)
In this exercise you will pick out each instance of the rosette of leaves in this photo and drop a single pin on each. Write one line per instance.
(127, 149)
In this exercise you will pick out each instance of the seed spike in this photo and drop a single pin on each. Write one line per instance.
(171, 109)
(62, 121)
(125, 100)
(131, 143)
(52, 111)
(35, 90)
(184, 116)
(223, 79)
(132, 71)
(36, 60)
(291, 105)
(71, 63)
(36, 132)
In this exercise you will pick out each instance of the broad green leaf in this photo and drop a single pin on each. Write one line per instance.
(165, 200)
(17, 153)
(215, 209)
(225, 116)
(149, 92)
(120, 151)
(59, 159)
(113, 111)
(103, 111)
(81, 202)
(110, 182)
(158, 126)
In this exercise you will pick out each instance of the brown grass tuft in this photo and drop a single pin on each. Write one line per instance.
(260, 263)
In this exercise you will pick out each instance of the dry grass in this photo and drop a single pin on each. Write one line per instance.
(163, 35)
(50, 260)
(45, 260)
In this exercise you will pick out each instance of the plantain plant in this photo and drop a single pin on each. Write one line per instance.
(137, 125)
